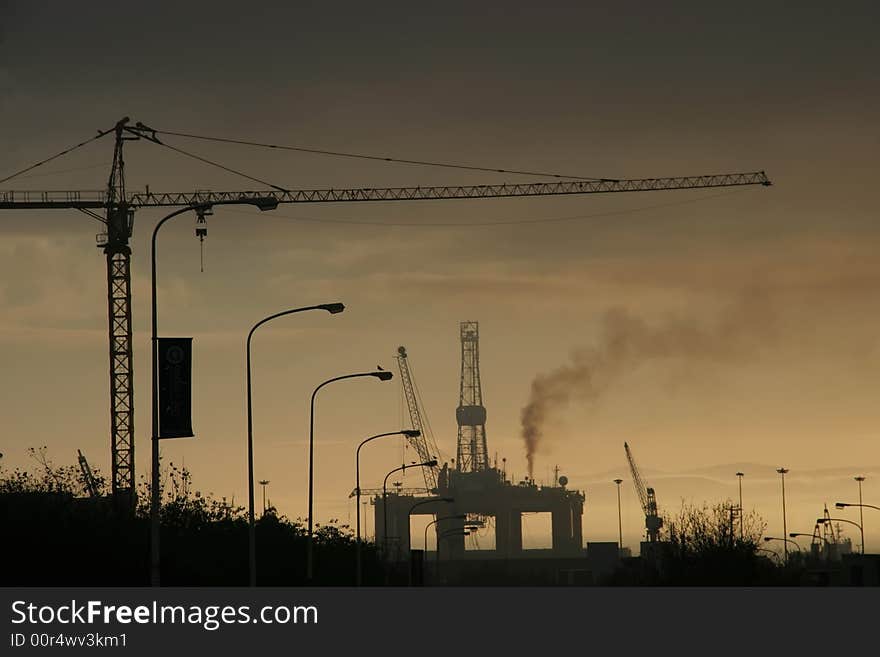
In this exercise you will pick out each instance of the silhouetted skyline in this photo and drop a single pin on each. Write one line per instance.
(592, 90)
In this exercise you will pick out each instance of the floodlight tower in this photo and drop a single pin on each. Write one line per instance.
(471, 455)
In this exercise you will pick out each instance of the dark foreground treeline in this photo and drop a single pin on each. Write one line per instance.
(53, 536)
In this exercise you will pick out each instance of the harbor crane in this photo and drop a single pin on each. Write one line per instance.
(653, 522)
(424, 443)
(88, 477)
(115, 206)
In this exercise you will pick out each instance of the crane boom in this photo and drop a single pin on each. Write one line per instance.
(421, 444)
(637, 479)
(119, 207)
(79, 199)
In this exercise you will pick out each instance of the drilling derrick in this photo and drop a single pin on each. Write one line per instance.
(471, 455)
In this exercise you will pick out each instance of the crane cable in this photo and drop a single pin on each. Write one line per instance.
(217, 164)
(380, 158)
(56, 156)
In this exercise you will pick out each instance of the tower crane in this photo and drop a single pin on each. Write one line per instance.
(424, 444)
(653, 522)
(115, 207)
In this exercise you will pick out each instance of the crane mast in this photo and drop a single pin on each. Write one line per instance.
(119, 208)
(422, 444)
(653, 522)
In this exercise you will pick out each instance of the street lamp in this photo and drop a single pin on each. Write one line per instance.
(409, 433)
(460, 516)
(843, 505)
(428, 464)
(827, 520)
(333, 309)
(446, 534)
(619, 519)
(860, 479)
(782, 472)
(264, 483)
(811, 536)
(767, 539)
(740, 476)
(448, 500)
(201, 209)
(382, 375)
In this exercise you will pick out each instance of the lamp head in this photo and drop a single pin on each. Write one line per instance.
(265, 203)
(740, 474)
(767, 539)
(383, 375)
(411, 433)
(841, 505)
(332, 308)
(431, 464)
(618, 481)
(822, 521)
(782, 471)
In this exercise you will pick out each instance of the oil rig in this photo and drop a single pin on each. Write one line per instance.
(469, 492)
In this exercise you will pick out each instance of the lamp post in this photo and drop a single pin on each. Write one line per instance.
(382, 375)
(619, 519)
(446, 534)
(782, 472)
(428, 464)
(201, 209)
(851, 522)
(264, 483)
(447, 500)
(860, 479)
(409, 433)
(740, 476)
(333, 309)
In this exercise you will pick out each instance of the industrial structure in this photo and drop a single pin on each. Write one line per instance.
(471, 492)
(115, 207)
(88, 477)
(423, 443)
(653, 521)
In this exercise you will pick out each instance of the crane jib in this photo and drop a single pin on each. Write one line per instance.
(99, 199)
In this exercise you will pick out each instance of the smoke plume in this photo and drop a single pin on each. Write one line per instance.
(626, 341)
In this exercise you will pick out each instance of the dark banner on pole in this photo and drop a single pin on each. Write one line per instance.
(175, 388)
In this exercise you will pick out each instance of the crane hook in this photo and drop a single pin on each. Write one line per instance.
(202, 233)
